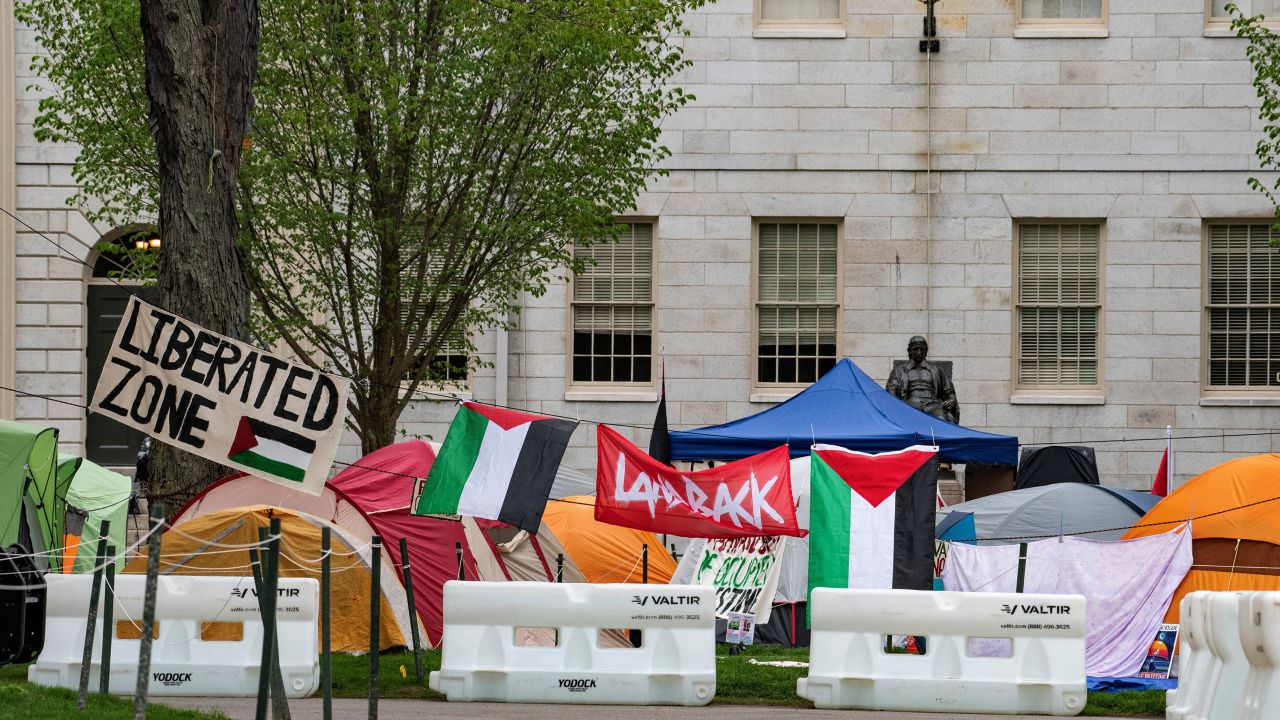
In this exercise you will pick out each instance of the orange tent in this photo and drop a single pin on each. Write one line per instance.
(1236, 531)
(605, 553)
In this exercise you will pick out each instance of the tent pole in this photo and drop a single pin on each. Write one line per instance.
(1022, 567)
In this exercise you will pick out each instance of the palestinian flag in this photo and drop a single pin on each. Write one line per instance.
(496, 464)
(271, 449)
(871, 518)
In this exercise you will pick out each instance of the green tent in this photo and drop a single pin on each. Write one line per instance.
(103, 495)
(32, 495)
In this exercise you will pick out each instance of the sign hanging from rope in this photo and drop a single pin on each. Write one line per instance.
(222, 399)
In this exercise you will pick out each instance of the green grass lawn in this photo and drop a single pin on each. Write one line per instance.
(20, 700)
(738, 682)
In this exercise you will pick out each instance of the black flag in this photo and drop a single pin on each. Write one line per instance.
(660, 438)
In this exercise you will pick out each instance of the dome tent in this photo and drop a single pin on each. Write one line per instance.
(1067, 508)
(187, 549)
(1235, 531)
(32, 493)
(102, 495)
(371, 497)
(605, 553)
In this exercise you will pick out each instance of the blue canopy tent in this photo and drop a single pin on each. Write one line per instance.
(847, 408)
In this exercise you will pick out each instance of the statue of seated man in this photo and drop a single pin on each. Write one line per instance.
(924, 385)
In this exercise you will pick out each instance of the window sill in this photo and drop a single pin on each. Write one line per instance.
(1066, 31)
(1218, 29)
(637, 395)
(773, 395)
(1259, 400)
(447, 393)
(1041, 397)
(800, 31)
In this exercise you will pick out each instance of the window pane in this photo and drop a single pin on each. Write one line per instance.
(1062, 9)
(613, 310)
(1058, 304)
(797, 289)
(1270, 8)
(1243, 313)
(799, 9)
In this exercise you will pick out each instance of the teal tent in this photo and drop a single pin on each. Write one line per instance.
(102, 495)
(32, 495)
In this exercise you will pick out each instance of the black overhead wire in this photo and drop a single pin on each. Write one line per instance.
(1022, 537)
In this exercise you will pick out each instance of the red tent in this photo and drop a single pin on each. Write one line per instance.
(369, 497)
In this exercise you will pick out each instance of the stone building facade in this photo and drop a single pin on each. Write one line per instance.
(1057, 199)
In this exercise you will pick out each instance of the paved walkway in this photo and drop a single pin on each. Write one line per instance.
(309, 709)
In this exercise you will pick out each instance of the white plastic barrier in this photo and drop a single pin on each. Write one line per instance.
(182, 664)
(983, 652)
(675, 663)
(1260, 636)
(1193, 656)
(1213, 670)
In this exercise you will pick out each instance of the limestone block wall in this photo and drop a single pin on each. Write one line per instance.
(926, 162)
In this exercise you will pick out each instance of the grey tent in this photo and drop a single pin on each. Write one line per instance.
(1069, 508)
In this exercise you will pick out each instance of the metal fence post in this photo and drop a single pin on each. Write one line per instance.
(375, 607)
(94, 594)
(148, 611)
(326, 669)
(407, 572)
(108, 622)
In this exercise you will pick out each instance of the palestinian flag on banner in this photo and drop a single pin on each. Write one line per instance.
(272, 450)
(868, 526)
(496, 464)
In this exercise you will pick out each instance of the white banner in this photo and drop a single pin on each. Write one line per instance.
(744, 572)
(222, 399)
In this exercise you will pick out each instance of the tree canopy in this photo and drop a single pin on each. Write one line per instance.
(415, 165)
(1264, 54)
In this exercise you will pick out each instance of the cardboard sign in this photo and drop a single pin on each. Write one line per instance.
(744, 573)
(750, 497)
(222, 399)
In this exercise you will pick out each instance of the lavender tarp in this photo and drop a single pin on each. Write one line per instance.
(1127, 584)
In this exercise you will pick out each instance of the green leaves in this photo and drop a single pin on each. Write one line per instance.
(417, 165)
(1263, 52)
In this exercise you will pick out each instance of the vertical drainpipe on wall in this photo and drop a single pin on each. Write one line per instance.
(8, 197)
(931, 32)
(502, 365)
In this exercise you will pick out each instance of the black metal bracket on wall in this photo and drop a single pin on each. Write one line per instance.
(930, 43)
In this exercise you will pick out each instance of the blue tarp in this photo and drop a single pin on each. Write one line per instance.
(847, 408)
(1101, 684)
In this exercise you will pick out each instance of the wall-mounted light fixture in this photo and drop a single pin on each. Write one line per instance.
(930, 43)
(147, 243)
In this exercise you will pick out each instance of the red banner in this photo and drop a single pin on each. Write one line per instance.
(746, 498)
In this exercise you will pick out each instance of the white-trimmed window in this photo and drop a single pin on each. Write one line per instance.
(450, 368)
(612, 309)
(1217, 21)
(1064, 18)
(787, 17)
(797, 301)
(1242, 308)
(1058, 306)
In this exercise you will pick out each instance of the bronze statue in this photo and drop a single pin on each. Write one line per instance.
(923, 385)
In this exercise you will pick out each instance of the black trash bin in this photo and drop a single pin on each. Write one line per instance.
(22, 599)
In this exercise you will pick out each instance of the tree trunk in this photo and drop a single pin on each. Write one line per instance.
(201, 59)
(376, 417)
